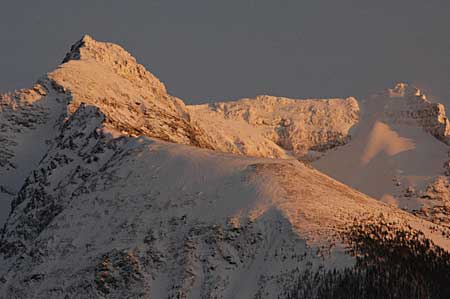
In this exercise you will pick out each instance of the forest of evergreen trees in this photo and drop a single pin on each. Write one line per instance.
(391, 262)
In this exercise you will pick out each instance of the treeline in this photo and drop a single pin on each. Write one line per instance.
(392, 262)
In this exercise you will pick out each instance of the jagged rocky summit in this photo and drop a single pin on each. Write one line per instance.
(135, 103)
(119, 189)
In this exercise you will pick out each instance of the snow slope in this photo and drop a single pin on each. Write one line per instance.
(105, 75)
(121, 190)
(115, 217)
(30, 120)
(397, 150)
(136, 103)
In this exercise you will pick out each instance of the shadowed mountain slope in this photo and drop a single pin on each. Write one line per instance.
(119, 189)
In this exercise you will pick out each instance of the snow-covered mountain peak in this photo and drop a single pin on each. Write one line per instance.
(408, 105)
(136, 103)
(103, 207)
(401, 143)
(116, 58)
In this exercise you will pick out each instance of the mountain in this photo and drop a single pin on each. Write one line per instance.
(135, 103)
(399, 153)
(120, 190)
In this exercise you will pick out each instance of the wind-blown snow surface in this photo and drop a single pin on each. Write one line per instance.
(393, 155)
(128, 192)
(117, 217)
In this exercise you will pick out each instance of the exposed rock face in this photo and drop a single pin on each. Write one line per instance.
(430, 116)
(19, 114)
(29, 121)
(436, 199)
(42, 197)
(278, 127)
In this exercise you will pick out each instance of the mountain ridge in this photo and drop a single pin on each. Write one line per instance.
(136, 103)
(113, 211)
(130, 192)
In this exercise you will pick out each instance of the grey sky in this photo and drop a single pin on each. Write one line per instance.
(211, 50)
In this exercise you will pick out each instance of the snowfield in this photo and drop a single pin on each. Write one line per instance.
(120, 190)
